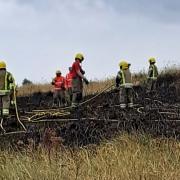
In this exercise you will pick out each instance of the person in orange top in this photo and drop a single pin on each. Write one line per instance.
(59, 87)
(68, 86)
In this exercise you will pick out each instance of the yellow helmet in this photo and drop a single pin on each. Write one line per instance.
(58, 72)
(2, 65)
(79, 56)
(152, 60)
(124, 65)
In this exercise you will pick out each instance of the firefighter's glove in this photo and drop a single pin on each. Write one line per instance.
(86, 81)
(82, 71)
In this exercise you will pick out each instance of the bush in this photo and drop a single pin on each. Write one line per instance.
(26, 82)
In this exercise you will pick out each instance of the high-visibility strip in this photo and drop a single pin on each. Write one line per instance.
(5, 112)
(4, 91)
(153, 74)
(123, 105)
(6, 81)
(128, 85)
(124, 84)
(153, 71)
(153, 78)
(123, 78)
(57, 88)
(130, 104)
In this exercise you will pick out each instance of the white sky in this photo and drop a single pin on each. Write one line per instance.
(37, 37)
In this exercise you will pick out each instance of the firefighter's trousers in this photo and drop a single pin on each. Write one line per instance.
(68, 95)
(5, 104)
(151, 85)
(126, 97)
(58, 98)
(77, 90)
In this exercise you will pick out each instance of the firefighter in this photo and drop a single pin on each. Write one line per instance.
(59, 88)
(68, 86)
(7, 85)
(124, 84)
(77, 80)
(152, 75)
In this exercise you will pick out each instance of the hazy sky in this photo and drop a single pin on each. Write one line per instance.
(37, 37)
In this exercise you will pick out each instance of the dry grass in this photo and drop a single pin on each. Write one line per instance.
(93, 87)
(126, 157)
(98, 85)
(34, 88)
(173, 70)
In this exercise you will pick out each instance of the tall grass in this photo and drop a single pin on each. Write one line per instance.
(33, 88)
(126, 157)
(97, 85)
(93, 87)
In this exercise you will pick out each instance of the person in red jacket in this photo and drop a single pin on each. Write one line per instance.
(59, 88)
(77, 80)
(68, 86)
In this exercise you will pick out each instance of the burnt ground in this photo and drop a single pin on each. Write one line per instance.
(156, 114)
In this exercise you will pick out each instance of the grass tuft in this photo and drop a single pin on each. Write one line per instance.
(126, 157)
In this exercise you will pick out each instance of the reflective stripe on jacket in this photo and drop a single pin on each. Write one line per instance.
(59, 83)
(7, 81)
(124, 78)
(153, 72)
(68, 83)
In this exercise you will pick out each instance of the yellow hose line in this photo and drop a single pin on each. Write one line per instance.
(105, 89)
(52, 110)
(66, 108)
(43, 115)
(16, 108)
(42, 110)
(37, 118)
(48, 113)
(1, 125)
(11, 133)
(39, 114)
(40, 118)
